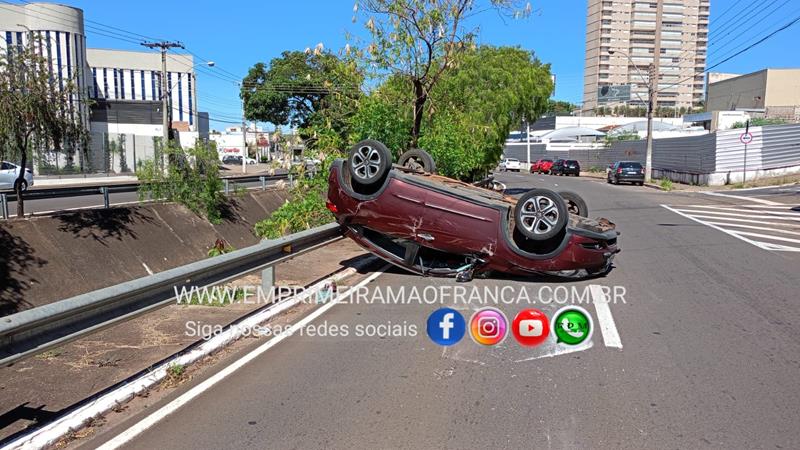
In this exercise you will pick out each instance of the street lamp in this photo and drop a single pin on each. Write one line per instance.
(651, 93)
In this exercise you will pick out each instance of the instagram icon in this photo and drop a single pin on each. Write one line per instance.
(488, 326)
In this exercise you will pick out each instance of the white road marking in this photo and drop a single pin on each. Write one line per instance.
(781, 206)
(718, 214)
(751, 227)
(554, 349)
(759, 208)
(715, 209)
(767, 236)
(147, 269)
(731, 219)
(143, 425)
(742, 197)
(604, 318)
(761, 245)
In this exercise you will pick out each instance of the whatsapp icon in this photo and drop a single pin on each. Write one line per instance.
(572, 325)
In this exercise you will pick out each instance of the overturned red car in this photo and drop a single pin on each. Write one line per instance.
(437, 226)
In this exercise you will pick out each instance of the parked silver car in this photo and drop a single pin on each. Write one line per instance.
(9, 173)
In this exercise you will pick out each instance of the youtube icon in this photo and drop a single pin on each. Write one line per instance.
(530, 327)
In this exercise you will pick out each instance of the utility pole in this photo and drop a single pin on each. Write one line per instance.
(651, 102)
(528, 140)
(244, 134)
(164, 46)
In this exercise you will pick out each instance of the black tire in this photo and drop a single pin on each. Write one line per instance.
(23, 185)
(575, 203)
(369, 161)
(540, 214)
(418, 160)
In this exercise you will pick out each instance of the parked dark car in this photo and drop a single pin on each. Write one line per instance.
(437, 226)
(566, 167)
(626, 172)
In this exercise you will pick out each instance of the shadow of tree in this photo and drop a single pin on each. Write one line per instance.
(102, 224)
(16, 258)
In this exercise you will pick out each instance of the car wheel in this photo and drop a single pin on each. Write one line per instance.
(23, 185)
(418, 160)
(540, 214)
(368, 161)
(608, 180)
(575, 203)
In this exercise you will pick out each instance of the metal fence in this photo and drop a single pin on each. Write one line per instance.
(107, 153)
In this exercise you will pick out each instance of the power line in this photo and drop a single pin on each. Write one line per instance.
(773, 33)
(749, 19)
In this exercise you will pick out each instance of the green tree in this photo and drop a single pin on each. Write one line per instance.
(35, 111)
(560, 107)
(191, 179)
(296, 87)
(421, 40)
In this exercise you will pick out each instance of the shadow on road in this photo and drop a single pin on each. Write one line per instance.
(16, 258)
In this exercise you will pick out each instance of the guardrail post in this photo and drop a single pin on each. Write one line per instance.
(104, 190)
(291, 181)
(263, 183)
(4, 205)
(267, 279)
(227, 187)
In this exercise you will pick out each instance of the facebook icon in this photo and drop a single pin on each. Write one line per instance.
(446, 326)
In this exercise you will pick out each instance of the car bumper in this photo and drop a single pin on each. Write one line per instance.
(631, 177)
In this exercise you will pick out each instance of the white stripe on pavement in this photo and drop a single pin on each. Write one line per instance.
(697, 213)
(788, 211)
(140, 427)
(604, 318)
(767, 236)
(760, 245)
(742, 197)
(731, 219)
(751, 227)
(781, 206)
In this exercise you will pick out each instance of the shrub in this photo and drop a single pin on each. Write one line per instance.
(191, 179)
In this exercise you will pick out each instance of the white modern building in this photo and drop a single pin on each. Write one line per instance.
(131, 76)
(120, 92)
(57, 34)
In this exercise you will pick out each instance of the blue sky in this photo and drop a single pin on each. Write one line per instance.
(235, 35)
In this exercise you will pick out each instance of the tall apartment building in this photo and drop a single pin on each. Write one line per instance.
(623, 35)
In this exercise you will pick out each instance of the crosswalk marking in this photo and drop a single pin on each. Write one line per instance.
(770, 227)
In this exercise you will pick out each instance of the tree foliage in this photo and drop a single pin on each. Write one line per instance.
(191, 179)
(298, 86)
(36, 110)
(560, 107)
(469, 116)
(421, 40)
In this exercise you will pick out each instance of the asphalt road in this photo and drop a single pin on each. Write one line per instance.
(48, 205)
(709, 358)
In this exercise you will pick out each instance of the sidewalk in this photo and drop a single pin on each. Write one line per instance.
(46, 181)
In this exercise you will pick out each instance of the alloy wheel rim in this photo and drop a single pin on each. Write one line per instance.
(366, 162)
(539, 215)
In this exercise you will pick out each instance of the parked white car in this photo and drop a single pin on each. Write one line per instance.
(510, 164)
(9, 173)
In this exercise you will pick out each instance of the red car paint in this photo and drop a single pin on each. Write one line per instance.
(458, 219)
(542, 165)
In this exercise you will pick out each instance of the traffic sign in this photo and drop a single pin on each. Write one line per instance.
(746, 138)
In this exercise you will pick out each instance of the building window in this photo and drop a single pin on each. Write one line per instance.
(180, 98)
(141, 72)
(152, 85)
(191, 104)
(133, 86)
(105, 83)
(121, 83)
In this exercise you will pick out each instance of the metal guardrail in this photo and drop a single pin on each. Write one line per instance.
(106, 190)
(35, 330)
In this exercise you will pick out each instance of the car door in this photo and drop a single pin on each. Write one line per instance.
(7, 175)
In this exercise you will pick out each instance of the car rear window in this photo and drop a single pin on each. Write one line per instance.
(571, 161)
(630, 165)
(512, 160)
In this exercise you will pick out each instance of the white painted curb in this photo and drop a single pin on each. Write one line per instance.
(51, 433)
